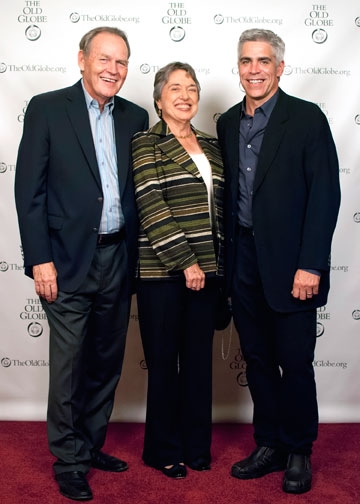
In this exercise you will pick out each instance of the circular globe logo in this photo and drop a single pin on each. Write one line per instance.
(145, 68)
(4, 266)
(242, 379)
(319, 36)
(218, 19)
(216, 116)
(32, 33)
(5, 362)
(74, 17)
(177, 34)
(320, 329)
(35, 329)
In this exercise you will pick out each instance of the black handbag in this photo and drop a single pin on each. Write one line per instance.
(223, 312)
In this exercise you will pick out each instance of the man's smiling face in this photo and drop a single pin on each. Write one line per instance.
(105, 67)
(259, 72)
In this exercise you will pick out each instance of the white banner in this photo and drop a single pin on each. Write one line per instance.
(38, 53)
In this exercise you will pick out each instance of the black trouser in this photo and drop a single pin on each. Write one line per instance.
(87, 339)
(279, 351)
(177, 327)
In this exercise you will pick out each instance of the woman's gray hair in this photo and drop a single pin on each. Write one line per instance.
(257, 34)
(86, 40)
(162, 77)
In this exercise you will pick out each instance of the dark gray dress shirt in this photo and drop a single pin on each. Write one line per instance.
(252, 129)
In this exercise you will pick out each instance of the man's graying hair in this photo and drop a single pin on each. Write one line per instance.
(259, 35)
(86, 40)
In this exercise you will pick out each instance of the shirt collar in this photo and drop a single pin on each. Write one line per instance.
(91, 102)
(266, 108)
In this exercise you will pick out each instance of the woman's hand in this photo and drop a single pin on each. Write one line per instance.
(195, 277)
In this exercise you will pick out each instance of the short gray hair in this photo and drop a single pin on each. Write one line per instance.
(86, 40)
(257, 34)
(162, 77)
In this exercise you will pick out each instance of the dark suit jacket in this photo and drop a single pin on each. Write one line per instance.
(295, 201)
(58, 190)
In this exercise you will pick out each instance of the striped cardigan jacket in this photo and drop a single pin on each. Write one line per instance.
(172, 201)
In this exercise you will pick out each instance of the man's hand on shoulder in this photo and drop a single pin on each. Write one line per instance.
(45, 281)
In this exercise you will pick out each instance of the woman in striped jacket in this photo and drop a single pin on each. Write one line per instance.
(178, 177)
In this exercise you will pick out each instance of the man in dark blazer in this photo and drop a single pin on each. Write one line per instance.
(282, 198)
(78, 225)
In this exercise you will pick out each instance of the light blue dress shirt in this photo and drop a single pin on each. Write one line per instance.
(102, 127)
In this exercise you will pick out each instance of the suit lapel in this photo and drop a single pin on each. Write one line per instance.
(274, 133)
(232, 140)
(79, 118)
(123, 142)
(174, 151)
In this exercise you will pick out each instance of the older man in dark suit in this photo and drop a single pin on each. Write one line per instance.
(78, 224)
(281, 203)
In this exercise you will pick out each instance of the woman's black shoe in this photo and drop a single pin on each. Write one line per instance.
(200, 464)
(177, 471)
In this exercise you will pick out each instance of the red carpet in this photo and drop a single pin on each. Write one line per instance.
(26, 470)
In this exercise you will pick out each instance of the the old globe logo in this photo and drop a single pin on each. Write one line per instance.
(4, 266)
(32, 33)
(74, 17)
(3, 67)
(288, 70)
(357, 119)
(320, 329)
(3, 167)
(216, 116)
(357, 217)
(5, 362)
(177, 34)
(319, 36)
(242, 378)
(145, 68)
(35, 329)
(356, 314)
(357, 21)
(240, 365)
(218, 19)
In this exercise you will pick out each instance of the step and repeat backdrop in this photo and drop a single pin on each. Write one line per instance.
(38, 53)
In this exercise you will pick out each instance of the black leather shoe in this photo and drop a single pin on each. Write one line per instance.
(106, 462)
(263, 460)
(177, 471)
(73, 485)
(298, 475)
(200, 464)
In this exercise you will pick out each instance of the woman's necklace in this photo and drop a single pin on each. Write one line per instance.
(184, 136)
